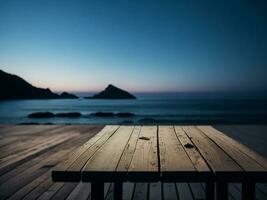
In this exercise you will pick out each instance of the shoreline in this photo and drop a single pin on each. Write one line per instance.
(157, 110)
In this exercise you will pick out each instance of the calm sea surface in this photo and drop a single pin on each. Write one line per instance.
(148, 108)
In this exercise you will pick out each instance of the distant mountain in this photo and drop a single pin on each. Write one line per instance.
(14, 87)
(66, 95)
(112, 92)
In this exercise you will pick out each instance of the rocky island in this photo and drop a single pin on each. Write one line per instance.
(112, 92)
(14, 87)
(66, 95)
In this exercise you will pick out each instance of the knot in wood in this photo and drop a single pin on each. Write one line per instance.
(144, 138)
(189, 146)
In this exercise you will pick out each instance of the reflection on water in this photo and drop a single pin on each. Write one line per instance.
(147, 109)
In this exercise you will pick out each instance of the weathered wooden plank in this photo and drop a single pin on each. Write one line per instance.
(21, 193)
(155, 192)
(86, 129)
(10, 162)
(70, 170)
(253, 169)
(58, 191)
(128, 189)
(221, 163)
(205, 173)
(45, 160)
(261, 194)
(19, 146)
(43, 182)
(23, 145)
(197, 190)
(236, 150)
(7, 140)
(3, 160)
(7, 190)
(261, 190)
(144, 165)
(104, 162)
(50, 190)
(67, 146)
(251, 136)
(4, 128)
(140, 191)
(234, 191)
(174, 162)
(196, 158)
(46, 191)
(43, 142)
(16, 143)
(32, 173)
(184, 191)
(29, 174)
(19, 134)
(128, 152)
(109, 191)
(20, 130)
(62, 193)
(170, 191)
(82, 192)
(35, 188)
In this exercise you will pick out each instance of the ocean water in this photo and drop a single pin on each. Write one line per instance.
(148, 109)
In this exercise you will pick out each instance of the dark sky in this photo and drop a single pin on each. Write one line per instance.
(138, 45)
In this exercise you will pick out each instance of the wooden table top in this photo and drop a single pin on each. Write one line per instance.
(161, 153)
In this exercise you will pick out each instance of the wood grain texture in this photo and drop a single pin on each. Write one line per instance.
(221, 163)
(30, 178)
(184, 191)
(193, 153)
(254, 168)
(155, 192)
(174, 161)
(170, 191)
(246, 157)
(140, 191)
(70, 170)
(12, 161)
(144, 165)
(127, 156)
(104, 162)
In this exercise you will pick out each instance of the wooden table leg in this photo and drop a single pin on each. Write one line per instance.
(210, 190)
(118, 190)
(222, 190)
(248, 190)
(97, 190)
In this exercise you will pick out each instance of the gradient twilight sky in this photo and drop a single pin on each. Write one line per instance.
(145, 45)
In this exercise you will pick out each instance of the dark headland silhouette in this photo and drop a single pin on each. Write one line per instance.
(14, 87)
(112, 92)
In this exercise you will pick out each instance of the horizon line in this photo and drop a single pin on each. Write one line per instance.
(173, 91)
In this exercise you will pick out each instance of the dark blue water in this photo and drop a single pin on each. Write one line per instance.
(148, 108)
